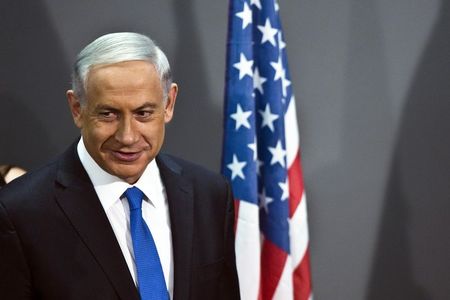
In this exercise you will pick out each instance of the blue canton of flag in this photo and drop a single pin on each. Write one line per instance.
(257, 94)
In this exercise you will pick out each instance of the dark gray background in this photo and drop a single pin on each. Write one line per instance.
(372, 81)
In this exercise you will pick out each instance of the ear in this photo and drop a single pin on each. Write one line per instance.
(170, 102)
(75, 108)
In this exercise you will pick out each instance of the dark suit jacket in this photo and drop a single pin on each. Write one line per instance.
(56, 241)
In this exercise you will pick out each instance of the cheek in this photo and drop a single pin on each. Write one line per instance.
(153, 134)
(98, 133)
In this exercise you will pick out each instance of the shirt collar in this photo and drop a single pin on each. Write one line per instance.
(110, 188)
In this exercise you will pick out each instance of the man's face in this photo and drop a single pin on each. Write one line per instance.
(123, 120)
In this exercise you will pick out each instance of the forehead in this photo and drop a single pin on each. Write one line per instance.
(128, 84)
(124, 76)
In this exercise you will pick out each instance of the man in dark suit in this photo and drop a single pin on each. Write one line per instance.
(73, 230)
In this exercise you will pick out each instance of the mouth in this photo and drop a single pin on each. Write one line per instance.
(127, 157)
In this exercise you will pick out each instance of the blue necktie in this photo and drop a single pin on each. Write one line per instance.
(150, 275)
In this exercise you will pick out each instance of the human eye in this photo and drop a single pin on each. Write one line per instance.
(144, 114)
(107, 115)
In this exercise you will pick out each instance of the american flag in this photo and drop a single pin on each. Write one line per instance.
(261, 157)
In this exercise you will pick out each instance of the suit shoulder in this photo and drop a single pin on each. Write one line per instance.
(191, 170)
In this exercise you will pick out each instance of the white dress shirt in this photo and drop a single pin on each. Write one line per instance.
(155, 211)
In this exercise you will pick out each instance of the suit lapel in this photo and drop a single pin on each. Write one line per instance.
(181, 208)
(77, 198)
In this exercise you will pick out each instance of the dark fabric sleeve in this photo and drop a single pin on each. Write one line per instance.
(14, 271)
(230, 282)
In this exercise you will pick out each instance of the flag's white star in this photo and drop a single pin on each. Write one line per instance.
(268, 117)
(245, 15)
(258, 81)
(265, 200)
(244, 66)
(256, 3)
(241, 117)
(284, 187)
(276, 6)
(278, 154)
(285, 83)
(278, 67)
(281, 43)
(253, 146)
(236, 167)
(268, 33)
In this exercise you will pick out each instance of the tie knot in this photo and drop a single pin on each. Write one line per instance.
(134, 196)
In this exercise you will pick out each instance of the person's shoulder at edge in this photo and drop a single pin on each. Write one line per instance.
(16, 193)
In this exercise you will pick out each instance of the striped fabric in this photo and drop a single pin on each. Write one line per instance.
(261, 157)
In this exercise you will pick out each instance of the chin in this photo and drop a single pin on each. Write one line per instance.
(127, 173)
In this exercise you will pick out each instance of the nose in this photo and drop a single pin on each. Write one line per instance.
(127, 133)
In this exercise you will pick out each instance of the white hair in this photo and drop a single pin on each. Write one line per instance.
(119, 47)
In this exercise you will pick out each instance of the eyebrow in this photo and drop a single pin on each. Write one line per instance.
(111, 108)
(105, 107)
(146, 105)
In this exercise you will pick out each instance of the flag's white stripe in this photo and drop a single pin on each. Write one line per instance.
(291, 132)
(299, 235)
(284, 290)
(248, 250)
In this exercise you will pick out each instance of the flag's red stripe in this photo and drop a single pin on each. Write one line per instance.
(295, 184)
(302, 279)
(273, 260)
(260, 296)
(236, 214)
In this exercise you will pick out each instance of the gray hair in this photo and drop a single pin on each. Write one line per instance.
(119, 47)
